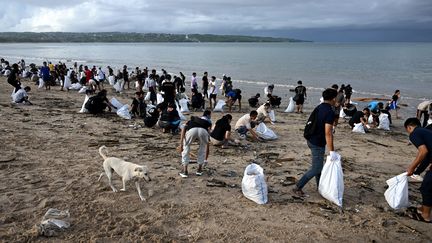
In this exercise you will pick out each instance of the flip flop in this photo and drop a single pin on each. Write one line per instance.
(417, 216)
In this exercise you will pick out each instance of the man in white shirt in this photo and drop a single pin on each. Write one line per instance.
(21, 96)
(194, 84)
(244, 125)
(101, 77)
(264, 113)
(212, 92)
(423, 109)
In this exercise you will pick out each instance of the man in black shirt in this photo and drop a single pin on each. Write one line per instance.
(221, 133)
(360, 117)
(205, 84)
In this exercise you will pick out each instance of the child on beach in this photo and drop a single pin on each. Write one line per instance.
(393, 104)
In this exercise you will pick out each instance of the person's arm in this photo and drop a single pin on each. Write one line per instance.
(254, 135)
(421, 155)
(329, 137)
(182, 137)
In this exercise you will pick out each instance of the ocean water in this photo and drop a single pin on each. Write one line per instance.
(372, 69)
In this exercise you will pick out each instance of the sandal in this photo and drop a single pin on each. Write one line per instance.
(418, 216)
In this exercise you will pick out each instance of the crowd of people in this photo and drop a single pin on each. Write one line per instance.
(158, 95)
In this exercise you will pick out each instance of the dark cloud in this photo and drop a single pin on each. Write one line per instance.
(307, 19)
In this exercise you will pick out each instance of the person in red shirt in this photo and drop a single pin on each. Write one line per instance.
(88, 73)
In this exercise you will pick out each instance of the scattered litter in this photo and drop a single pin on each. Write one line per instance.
(53, 222)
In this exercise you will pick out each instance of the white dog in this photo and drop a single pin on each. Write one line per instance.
(126, 170)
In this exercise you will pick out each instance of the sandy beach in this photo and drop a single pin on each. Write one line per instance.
(49, 159)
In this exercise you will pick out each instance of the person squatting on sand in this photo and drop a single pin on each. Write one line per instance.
(221, 132)
(318, 138)
(197, 128)
(21, 96)
(424, 109)
(245, 124)
(422, 139)
(98, 103)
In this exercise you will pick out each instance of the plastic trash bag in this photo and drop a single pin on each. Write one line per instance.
(83, 109)
(159, 98)
(358, 128)
(82, 90)
(370, 119)
(147, 97)
(117, 104)
(184, 105)
(342, 114)
(219, 106)
(397, 193)
(182, 117)
(291, 106)
(254, 186)
(265, 133)
(111, 80)
(272, 116)
(331, 184)
(67, 83)
(118, 86)
(41, 84)
(75, 86)
(123, 112)
(54, 221)
(384, 122)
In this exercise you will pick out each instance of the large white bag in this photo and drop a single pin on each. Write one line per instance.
(41, 84)
(358, 128)
(83, 109)
(272, 116)
(291, 106)
(111, 80)
(370, 119)
(184, 105)
(331, 185)
(159, 98)
(219, 106)
(119, 86)
(67, 83)
(123, 112)
(384, 122)
(182, 117)
(76, 86)
(147, 97)
(82, 90)
(254, 186)
(265, 133)
(117, 104)
(342, 113)
(397, 193)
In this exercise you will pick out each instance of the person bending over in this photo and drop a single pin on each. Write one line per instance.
(245, 125)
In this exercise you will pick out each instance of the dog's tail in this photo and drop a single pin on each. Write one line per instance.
(101, 153)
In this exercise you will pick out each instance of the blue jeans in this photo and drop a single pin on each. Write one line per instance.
(317, 165)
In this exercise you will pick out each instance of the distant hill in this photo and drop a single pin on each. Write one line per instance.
(130, 37)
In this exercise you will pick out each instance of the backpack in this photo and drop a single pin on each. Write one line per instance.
(311, 124)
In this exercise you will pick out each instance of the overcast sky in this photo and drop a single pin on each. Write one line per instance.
(317, 20)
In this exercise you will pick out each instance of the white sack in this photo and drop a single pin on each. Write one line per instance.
(83, 109)
(358, 128)
(342, 113)
(265, 133)
(123, 112)
(184, 105)
(331, 185)
(147, 97)
(159, 98)
(118, 86)
(76, 86)
(272, 116)
(41, 84)
(370, 119)
(291, 106)
(116, 103)
(254, 186)
(219, 106)
(82, 90)
(397, 193)
(182, 117)
(384, 122)
(111, 80)
(67, 83)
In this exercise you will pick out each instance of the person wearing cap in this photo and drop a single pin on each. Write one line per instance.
(300, 95)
